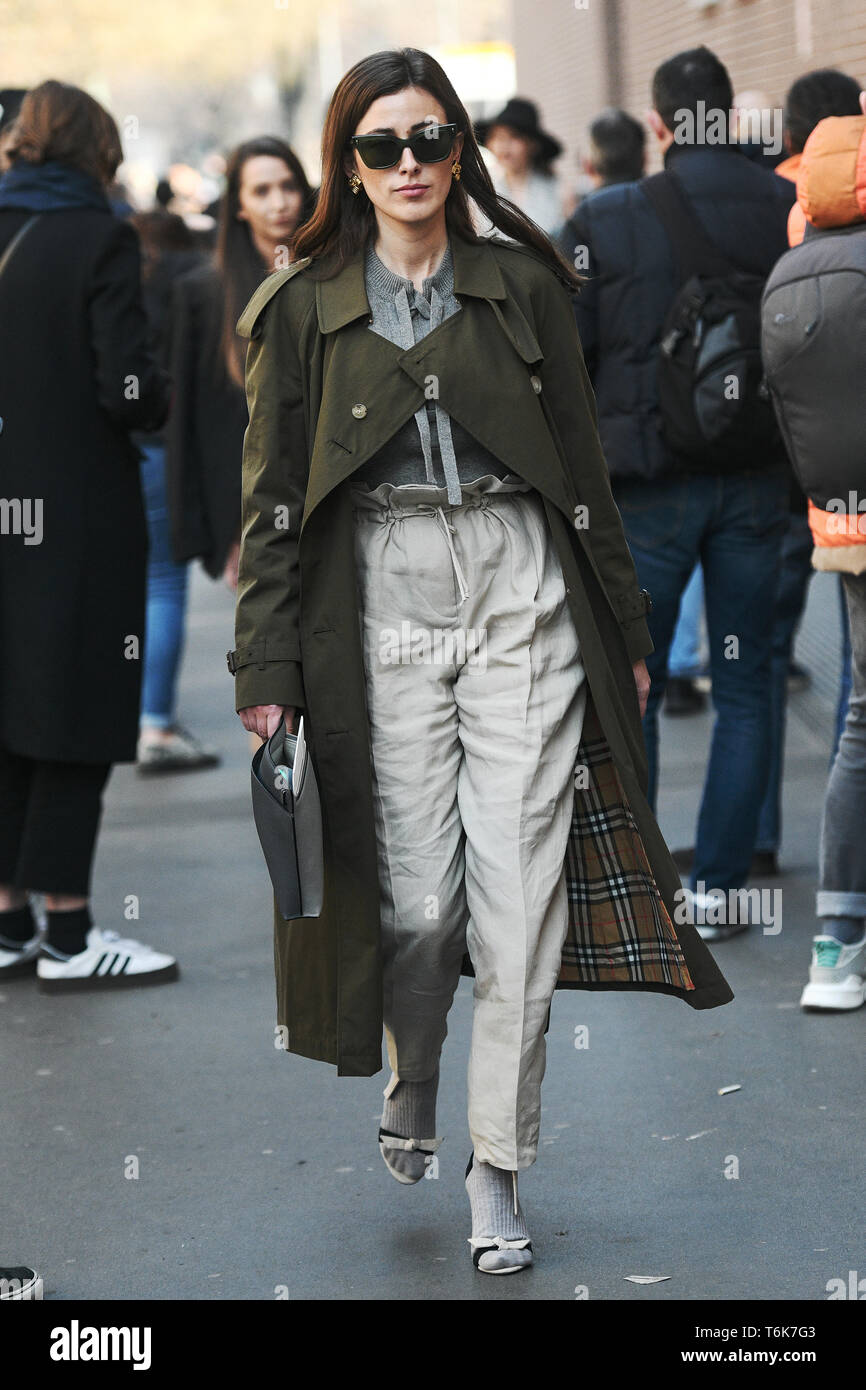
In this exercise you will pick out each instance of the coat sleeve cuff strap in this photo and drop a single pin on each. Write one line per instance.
(632, 605)
(262, 653)
(267, 672)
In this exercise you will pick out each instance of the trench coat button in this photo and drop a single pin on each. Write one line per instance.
(535, 382)
(359, 411)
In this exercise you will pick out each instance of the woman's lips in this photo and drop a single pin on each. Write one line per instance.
(413, 190)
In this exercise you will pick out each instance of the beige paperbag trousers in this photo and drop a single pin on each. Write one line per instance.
(476, 695)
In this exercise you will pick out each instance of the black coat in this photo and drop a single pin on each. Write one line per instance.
(156, 290)
(75, 377)
(620, 312)
(205, 433)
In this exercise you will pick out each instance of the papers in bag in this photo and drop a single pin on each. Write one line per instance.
(292, 771)
(299, 765)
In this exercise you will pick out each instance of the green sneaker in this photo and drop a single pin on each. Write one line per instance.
(837, 975)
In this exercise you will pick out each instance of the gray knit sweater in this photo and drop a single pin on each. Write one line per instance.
(430, 447)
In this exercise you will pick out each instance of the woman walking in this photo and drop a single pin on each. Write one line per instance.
(433, 570)
(77, 377)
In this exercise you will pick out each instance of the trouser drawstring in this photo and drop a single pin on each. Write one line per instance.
(429, 509)
(461, 581)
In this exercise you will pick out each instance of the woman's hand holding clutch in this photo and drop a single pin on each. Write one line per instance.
(264, 719)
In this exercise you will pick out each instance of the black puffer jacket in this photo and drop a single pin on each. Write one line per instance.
(620, 312)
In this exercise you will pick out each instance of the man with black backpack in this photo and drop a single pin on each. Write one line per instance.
(670, 326)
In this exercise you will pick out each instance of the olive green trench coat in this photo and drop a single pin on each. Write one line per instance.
(324, 393)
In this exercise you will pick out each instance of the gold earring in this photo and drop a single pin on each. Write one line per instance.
(355, 183)
(455, 169)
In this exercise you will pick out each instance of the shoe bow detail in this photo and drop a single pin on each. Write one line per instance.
(428, 1146)
(497, 1243)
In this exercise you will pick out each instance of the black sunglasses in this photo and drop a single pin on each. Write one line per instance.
(429, 146)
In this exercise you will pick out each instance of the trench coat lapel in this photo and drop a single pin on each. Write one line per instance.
(372, 387)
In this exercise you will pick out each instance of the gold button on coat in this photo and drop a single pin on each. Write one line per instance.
(359, 411)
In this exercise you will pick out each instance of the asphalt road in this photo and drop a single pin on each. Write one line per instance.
(258, 1172)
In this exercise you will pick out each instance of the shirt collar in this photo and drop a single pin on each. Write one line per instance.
(344, 297)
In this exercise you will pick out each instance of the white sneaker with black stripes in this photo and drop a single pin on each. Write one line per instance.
(108, 961)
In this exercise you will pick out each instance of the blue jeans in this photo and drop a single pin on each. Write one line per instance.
(795, 571)
(842, 872)
(684, 658)
(166, 599)
(734, 526)
(845, 673)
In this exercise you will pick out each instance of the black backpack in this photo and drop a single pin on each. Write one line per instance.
(716, 413)
(814, 344)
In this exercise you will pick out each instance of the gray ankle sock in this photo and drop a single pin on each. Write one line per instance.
(491, 1197)
(410, 1111)
(848, 930)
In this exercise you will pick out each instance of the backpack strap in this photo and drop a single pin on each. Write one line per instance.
(17, 239)
(695, 254)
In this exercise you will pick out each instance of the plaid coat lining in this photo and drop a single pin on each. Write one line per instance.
(619, 930)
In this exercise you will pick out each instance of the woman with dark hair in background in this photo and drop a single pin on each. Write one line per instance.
(266, 199)
(77, 377)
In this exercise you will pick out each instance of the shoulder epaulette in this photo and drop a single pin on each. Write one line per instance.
(248, 320)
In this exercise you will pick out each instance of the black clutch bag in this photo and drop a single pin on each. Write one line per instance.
(288, 818)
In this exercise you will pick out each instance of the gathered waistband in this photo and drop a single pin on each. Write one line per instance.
(399, 499)
(390, 501)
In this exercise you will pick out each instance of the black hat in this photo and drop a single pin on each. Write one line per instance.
(520, 115)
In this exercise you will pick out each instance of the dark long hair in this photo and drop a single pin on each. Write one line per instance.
(342, 221)
(236, 257)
